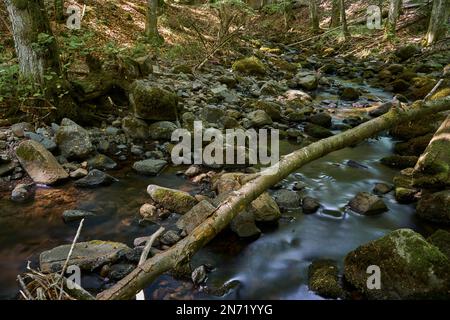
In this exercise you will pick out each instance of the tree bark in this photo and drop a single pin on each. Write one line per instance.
(335, 14)
(237, 201)
(314, 16)
(59, 10)
(344, 20)
(30, 25)
(391, 23)
(151, 25)
(438, 21)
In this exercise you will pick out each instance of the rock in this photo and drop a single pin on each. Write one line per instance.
(78, 173)
(287, 199)
(19, 129)
(322, 119)
(48, 144)
(250, 66)
(400, 85)
(381, 109)
(400, 162)
(170, 199)
(406, 52)
(382, 188)
(441, 239)
(350, 94)
(244, 225)
(324, 279)
(162, 130)
(265, 209)
(194, 217)
(94, 179)
(101, 162)
(413, 147)
(192, 171)
(435, 207)
(367, 204)
(271, 108)
(310, 205)
(120, 271)
(259, 118)
(199, 275)
(73, 140)
(39, 163)
(318, 132)
(354, 164)
(7, 168)
(23, 193)
(307, 81)
(148, 211)
(169, 238)
(153, 103)
(135, 128)
(75, 215)
(86, 255)
(149, 167)
(411, 268)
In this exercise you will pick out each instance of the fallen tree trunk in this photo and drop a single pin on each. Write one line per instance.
(237, 201)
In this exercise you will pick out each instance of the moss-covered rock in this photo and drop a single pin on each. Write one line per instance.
(400, 85)
(265, 209)
(440, 94)
(324, 279)
(250, 66)
(406, 52)
(162, 130)
(399, 162)
(421, 87)
(411, 268)
(413, 147)
(316, 131)
(73, 140)
(350, 94)
(171, 199)
(135, 128)
(271, 108)
(419, 127)
(153, 103)
(435, 207)
(441, 239)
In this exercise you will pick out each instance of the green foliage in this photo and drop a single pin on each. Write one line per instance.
(44, 40)
(278, 7)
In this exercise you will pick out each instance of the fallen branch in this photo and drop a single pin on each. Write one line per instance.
(237, 201)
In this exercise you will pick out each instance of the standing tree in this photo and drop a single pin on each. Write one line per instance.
(314, 15)
(438, 22)
(394, 13)
(151, 24)
(344, 20)
(59, 10)
(335, 14)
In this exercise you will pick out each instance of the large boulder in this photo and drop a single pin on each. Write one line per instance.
(171, 199)
(150, 167)
(73, 140)
(153, 103)
(86, 255)
(435, 207)
(411, 268)
(39, 163)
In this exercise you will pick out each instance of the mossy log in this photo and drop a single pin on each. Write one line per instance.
(237, 201)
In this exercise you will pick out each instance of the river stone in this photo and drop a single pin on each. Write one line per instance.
(73, 140)
(101, 162)
(6, 168)
(323, 278)
(149, 167)
(212, 114)
(148, 211)
(39, 163)
(310, 205)
(367, 204)
(171, 199)
(153, 103)
(162, 130)
(94, 179)
(435, 207)
(381, 109)
(244, 225)
(23, 192)
(120, 271)
(259, 118)
(20, 128)
(86, 255)
(194, 217)
(316, 131)
(321, 119)
(382, 188)
(265, 209)
(198, 276)
(135, 128)
(48, 143)
(411, 268)
(287, 199)
(79, 173)
(441, 239)
(75, 215)
(271, 108)
(307, 81)
(250, 66)
(169, 238)
(350, 94)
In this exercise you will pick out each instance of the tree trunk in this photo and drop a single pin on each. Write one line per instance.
(182, 252)
(35, 44)
(314, 16)
(151, 25)
(335, 14)
(391, 23)
(438, 21)
(59, 10)
(344, 20)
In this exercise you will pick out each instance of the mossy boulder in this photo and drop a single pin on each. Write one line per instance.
(323, 278)
(73, 140)
(400, 85)
(322, 119)
(250, 66)
(416, 128)
(39, 163)
(399, 162)
(441, 239)
(153, 103)
(440, 94)
(406, 52)
(162, 130)
(271, 108)
(413, 147)
(411, 268)
(350, 94)
(421, 87)
(171, 199)
(316, 131)
(135, 128)
(435, 207)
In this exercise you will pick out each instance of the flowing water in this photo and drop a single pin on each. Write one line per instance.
(273, 266)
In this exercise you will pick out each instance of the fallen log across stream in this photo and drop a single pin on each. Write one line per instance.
(177, 256)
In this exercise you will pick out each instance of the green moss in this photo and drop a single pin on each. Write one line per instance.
(399, 162)
(440, 94)
(28, 153)
(413, 147)
(250, 66)
(174, 200)
(441, 239)
(324, 280)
